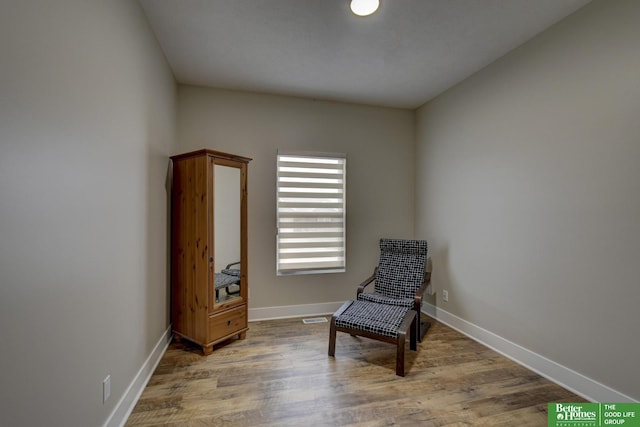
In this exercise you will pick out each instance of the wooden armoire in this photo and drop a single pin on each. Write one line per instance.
(209, 285)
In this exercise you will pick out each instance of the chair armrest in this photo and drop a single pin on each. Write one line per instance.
(366, 282)
(421, 290)
(229, 265)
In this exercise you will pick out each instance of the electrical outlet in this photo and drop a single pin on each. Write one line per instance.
(445, 295)
(106, 388)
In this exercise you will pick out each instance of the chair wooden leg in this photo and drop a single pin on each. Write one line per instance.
(415, 332)
(421, 327)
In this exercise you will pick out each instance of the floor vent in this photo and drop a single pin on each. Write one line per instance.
(314, 320)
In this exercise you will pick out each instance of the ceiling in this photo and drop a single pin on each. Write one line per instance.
(402, 56)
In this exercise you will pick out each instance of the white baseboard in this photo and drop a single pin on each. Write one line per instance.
(288, 311)
(559, 374)
(130, 397)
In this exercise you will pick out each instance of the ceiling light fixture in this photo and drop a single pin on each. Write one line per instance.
(364, 7)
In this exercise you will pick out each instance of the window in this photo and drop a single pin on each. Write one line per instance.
(311, 211)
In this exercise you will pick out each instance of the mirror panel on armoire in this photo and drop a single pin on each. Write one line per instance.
(227, 240)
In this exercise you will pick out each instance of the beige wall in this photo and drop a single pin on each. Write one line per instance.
(528, 191)
(379, 143)
(87, 111)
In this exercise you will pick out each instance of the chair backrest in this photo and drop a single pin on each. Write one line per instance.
(401, 268)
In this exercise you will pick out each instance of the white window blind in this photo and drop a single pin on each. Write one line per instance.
(311, 208)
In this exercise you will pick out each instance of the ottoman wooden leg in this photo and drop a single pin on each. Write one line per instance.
(332, 337)
(332, 330)
(408, 324)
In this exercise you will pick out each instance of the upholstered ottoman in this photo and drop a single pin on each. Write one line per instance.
(380, 322)
(223, 280)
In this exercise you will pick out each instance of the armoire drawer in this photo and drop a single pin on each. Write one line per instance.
(227, 322)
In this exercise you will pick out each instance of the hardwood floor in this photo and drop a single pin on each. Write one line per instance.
(280, 375)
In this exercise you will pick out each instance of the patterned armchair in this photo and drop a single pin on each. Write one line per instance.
(400, 277)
